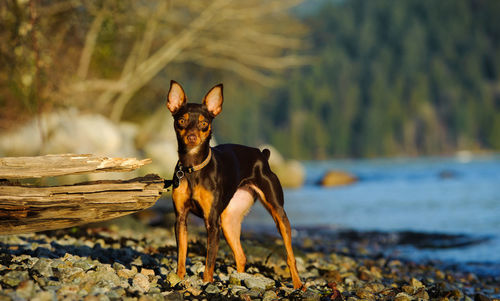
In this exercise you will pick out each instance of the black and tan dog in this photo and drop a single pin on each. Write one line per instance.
(219, 184)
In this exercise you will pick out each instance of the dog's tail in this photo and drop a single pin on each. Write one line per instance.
(266, 153)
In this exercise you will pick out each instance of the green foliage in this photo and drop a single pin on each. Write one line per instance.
(393, 78)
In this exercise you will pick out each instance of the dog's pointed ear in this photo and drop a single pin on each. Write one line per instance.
(213, 100)
(176, 98)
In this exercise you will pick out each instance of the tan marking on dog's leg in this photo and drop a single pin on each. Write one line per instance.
(205, 199)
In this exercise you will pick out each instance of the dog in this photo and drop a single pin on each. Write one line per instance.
(220, 184)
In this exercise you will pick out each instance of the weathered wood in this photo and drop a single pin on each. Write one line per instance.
(65, 164)
(26, 208)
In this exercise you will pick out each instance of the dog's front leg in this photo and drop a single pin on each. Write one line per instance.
(180, 197)
(213, 228)
(182, 242)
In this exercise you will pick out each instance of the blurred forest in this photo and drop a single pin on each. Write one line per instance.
(394, 78)
(318, 79)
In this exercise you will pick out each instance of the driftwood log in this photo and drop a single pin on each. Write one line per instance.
(65, 164)
(30, 209)
(27, 208)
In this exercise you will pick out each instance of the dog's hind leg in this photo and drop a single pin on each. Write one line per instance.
(269, 189)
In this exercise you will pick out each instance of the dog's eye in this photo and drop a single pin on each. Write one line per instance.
(203, 124)
(182, 122)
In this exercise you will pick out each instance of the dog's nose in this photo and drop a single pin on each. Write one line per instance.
(191, 138)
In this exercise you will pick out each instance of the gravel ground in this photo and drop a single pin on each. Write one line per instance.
(138, 262)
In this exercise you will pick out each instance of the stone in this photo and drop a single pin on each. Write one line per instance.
(269, 296)
(173, 279)
(26, 289)
(237, 278)
(311, 295)
(126, 273)
(107, 277)
(13, 278)
(250, 294)
(71, 274)
(365, 294)
(416, 283)
(193, 285)
(456, 293)
(337, 178)
(174, 296)
(141, 283)
(147, 272)
(374, 287)
(409, 289)
(84, 264)
(113, 295)
(70, 132)
(68, 290)
(440, 274)
(403, 297)
(421, 294)
(48, 295)
(197, 268)
(164, 155)
(212, 289)
(118, 266)
(44, 267)
(259, 283)
(236, 289)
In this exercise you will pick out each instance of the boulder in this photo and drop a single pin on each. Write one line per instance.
(70, 131)
(164, 155)
(337, 178)
(156, 138)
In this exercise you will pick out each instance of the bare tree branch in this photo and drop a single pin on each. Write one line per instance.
(134, 41)
(150, 67)
(232, 65)
(89, 46)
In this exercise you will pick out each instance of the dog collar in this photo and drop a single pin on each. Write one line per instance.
(181, 170)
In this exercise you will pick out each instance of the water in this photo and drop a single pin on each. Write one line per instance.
(425, 195)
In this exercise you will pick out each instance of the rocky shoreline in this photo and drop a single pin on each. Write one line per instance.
(137, 262)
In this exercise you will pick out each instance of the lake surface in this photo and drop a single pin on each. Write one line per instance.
(425, 195)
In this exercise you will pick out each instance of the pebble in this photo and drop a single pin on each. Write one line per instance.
(133, 265)
(43, 267)
(126, 273)
(173, 279)
(212, 289)
(365, 294)
(235, 290)
(141, 283)
(269, 296)
(403, 297)
(14, 278)
(259, 283)
(311, 295)
(416, 283)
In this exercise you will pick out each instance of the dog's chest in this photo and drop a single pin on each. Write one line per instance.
(187, 194)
